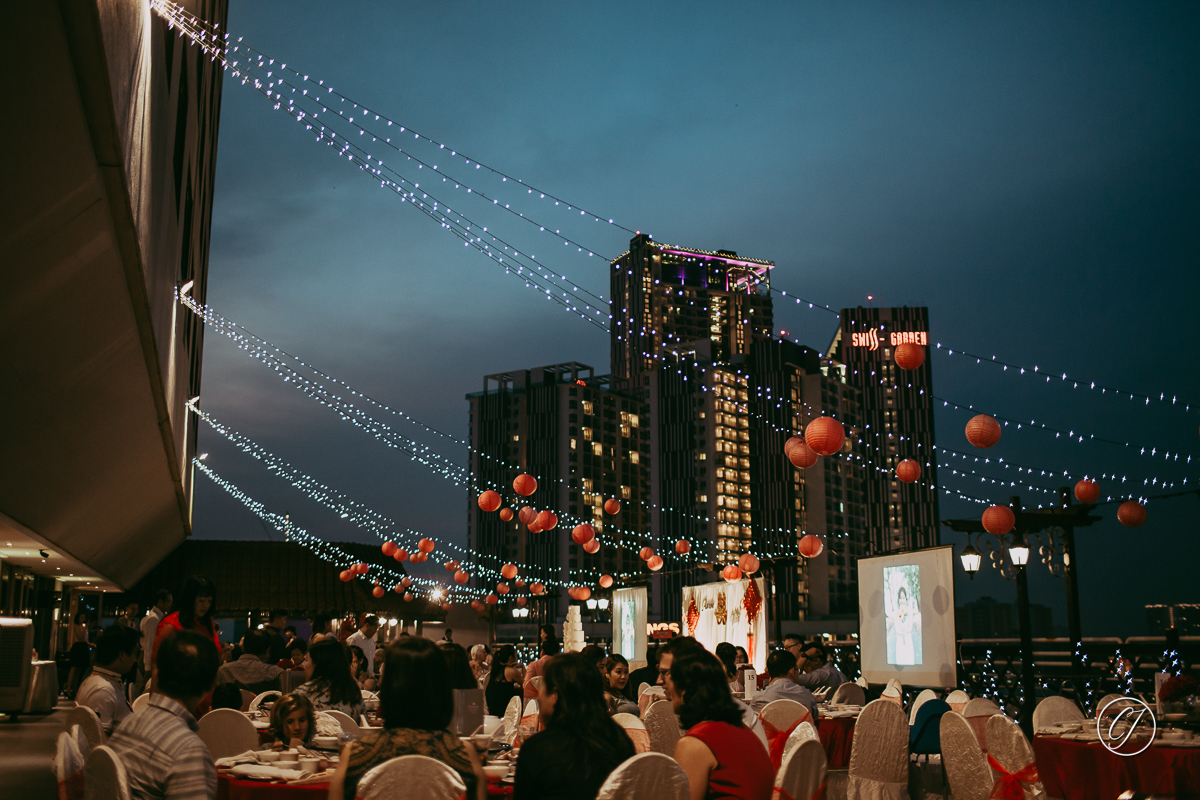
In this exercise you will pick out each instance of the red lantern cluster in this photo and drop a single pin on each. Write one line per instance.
(731, 573)
(646, 552)
(825, 435)
(909, 355)
(489, 500)
(579, 592)
(999, 520)
(346, 575)
(811, 546)
(683, 546)
(477, 605)
(799, 453)
(583, 533)
(982, 431)
(908, 471)
(451, 566)
(612, 506)
(748, 563)
(1087, 491)
(1131, 514)
(525, 485)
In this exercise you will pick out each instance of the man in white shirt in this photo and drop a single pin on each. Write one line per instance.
(781, 666)
(149, 627)
(103, 691)
(364, 637)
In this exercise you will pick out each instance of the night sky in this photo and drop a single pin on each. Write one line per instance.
(1029, 172)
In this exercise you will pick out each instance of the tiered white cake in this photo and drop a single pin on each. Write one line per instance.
(573, 640)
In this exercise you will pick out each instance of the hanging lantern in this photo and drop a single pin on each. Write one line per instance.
(522, 601)
(489, 500)
(400, 555)
(983, 431)
(536, 588)
(909, 355)
(406, 582)
(799, 453)
(506, 514)
(731, 573)
(1087, 491)
(492, 599)
(811, 546)
(999, 520)
(378, 591)
(509, 571)
(682, 547)
(592, 547)
(451, 566)
(525, 485)
(398, 589)
(389, 548)
(417, 558)
(534, 527)
(527, 515)
(612, 505)
(547, 520)
(583, 593)
(646, 552)
(346, 575)
(502, 588)
(478, 606)
(445, 606)
(1131, 514)
(426, 546)
(907, 471)
(583, 533)
(655, 563)
(825, 435)
(461, 577)
(408, 597)
(606, 581)
(748, 563)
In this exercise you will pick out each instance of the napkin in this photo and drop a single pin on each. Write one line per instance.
(263, 772)
(248, 757)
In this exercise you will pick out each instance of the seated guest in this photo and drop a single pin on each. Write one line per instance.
(458, 666)
(227, 695)
(681, 643)
(322, 626)
(727, 655)
(296, 649)
(158, 745)
(249, 671)
(329, 684)
(505, 682)
(417, 704)
(781, 666)
(818, 671)
(581, 745)
(548, 649)
(479, 662)
(595, 653)
(720, 755)
(358, 668)
(647, 674)
(364, 638)
(616, 679)
(293, 721)
(103, 691)
(742, 656)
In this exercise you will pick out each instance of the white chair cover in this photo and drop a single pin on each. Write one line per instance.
(966, 767)
(927, 694)
(140, 702)
(879, 758)
(783, 714)
(327, 725)
(1009, 748)
(81, 742)
(413, 778)
(803, 771)
(642, 687)
(646, 775)
(511, 722)
(636, 730)
(894, 683)
(247, 698)
(264, 697)
(346, 721)
(89, 723)
(105, 776)
(1054, 709)
(662, 726)
(1104, 704)
(68, 768)
(537, 681)
(804, 731)
(532, 713)
(958, 700)
(850, 694)
(227, 732)
(978, 711)
(862, 682)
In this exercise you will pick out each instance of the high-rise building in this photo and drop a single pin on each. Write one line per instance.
(897, 418)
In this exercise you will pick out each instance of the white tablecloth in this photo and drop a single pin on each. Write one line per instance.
(43, 688)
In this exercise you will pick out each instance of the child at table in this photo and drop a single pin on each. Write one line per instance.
(293, 721)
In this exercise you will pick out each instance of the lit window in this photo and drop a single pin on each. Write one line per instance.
(624, 492)
(598, 449)
(587, 434)
(516, 437)
(634, 457)
(587, 406)
(572, 444)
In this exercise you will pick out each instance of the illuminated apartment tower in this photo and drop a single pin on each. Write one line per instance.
(584, 444)
(897, 416)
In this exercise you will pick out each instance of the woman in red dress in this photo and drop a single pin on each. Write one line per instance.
(197, 602)
(723, 758)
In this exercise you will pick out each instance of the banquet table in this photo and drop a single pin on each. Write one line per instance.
(837, 737)
(1075, 770)
(43, 688)
(231, 788)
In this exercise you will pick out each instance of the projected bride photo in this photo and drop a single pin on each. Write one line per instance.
(902, 613)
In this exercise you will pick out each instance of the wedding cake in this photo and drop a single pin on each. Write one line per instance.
(573, 640)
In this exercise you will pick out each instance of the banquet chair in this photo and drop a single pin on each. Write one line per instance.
(1011, 758)
(87, 720)
(643, 687)
(646, 775)
(966, 768)
(893, 695)
(68, 768)
(247, 698)
(512, 721)
(327, 725)
(346, 721)
(636, 730)
(879, 758)
(140, 702)
(1054, 709)
(781, 715)
(958, 700)
(977, 711)
(662, 726)
(1119, 701)
(803, 732)
(802, 776)
(227, 732)
(862, 681)
(926, 694)
(262, 698)
(413, 778)
(104, 776)
(850, 694)
(81, 741)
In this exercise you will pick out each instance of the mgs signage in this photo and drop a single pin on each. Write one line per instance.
(871, 339)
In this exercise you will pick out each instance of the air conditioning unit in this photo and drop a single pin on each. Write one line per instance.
(16, 667)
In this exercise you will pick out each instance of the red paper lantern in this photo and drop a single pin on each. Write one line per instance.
(502, 588)
(646, 552)
(519, 582)
(378, 591)
(571, 592)
(534, 527)
(492, 599)
(811, 546)
(522, 601)
(731, 573)
(1087, 491)
(417, 558)
(583, 533)
(389, 548)
(547, 520)
(445, 606)
(408, 597)
(1131, 514)
(612, 505)
(527, 515)
(592, 547)
(683, 546)
(478, 606)
(606, 581)
(426, 546)
(748, 563)
(346, 575)
(489, 500)
(583, 593)
(909, 355)
(461, 577)
(999, 520)
(398, 589)
(400, 555)
(907, 471)
(825, 435)
(509, 571)
(655, 563)
(525, 485)
(536, 588)
(799, 453)
(506, 514)
(451, 566)
(983, 431)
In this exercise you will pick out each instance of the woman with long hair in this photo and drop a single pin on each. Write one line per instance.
(321, 627)
(417, 704)
(721, 756)
(505, 681)
(458, 666)
(358, 668)
(197, 603)
(293, 720)
(727, 655)
(616, 676)
(581, 745)
(548, 649)
(329, 684)
(80, 654)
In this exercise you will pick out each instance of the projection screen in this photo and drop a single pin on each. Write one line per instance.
(906, 618)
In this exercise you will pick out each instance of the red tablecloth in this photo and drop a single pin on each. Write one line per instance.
(1083, 771)
(837, 736)
(231, 788)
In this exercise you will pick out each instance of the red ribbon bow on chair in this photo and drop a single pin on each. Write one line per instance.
(1008, 785)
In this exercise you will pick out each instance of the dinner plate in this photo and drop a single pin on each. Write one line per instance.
(1173, 717)
(259, 772)
(325, 742)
